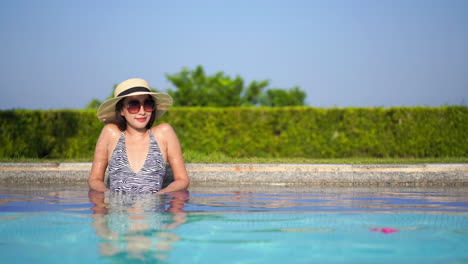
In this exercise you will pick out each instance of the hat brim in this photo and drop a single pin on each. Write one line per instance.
(106, 112)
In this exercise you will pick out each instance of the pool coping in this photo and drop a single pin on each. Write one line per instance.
(427, 174)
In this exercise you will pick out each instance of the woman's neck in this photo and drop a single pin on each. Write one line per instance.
(132, 132)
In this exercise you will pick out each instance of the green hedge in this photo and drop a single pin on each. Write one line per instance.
(257, 132)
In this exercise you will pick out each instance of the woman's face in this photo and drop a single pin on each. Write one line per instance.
(137, 110)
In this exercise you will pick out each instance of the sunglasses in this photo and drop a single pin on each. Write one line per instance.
(133, 107)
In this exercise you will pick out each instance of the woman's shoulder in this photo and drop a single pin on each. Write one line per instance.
(162, 128)
(111, 131)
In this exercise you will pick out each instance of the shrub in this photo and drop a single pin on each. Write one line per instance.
(256, 132)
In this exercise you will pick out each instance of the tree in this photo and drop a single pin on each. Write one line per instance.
(279, 97)
(94, 104)
(195, 88)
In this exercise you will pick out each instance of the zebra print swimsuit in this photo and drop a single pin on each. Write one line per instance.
(148, 180)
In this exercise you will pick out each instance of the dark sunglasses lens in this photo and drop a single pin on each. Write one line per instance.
(149, 106)
(133, 107)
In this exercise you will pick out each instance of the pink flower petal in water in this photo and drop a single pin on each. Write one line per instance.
(385, 230)
(388, 230)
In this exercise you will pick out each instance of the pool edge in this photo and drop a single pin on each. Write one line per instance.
(428, 174)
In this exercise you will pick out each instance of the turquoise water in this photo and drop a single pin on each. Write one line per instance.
(236, 224)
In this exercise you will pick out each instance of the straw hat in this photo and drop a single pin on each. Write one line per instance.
(130, 87)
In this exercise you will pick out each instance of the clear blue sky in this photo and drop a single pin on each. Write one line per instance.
(62, 54)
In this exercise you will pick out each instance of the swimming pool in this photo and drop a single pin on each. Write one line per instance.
(234, 224)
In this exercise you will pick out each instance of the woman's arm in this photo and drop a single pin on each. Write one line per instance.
(96, 177)
(175, 159)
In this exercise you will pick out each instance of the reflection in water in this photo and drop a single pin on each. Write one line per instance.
(243, 223)
(307, 199)
(137, 226)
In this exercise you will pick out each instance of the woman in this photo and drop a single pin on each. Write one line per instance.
(135, 152)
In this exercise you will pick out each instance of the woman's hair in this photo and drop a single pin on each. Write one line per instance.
(122, 123)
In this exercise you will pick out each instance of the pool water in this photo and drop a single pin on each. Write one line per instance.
(234, 224)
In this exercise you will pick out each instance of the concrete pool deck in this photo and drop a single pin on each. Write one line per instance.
(277, 174)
